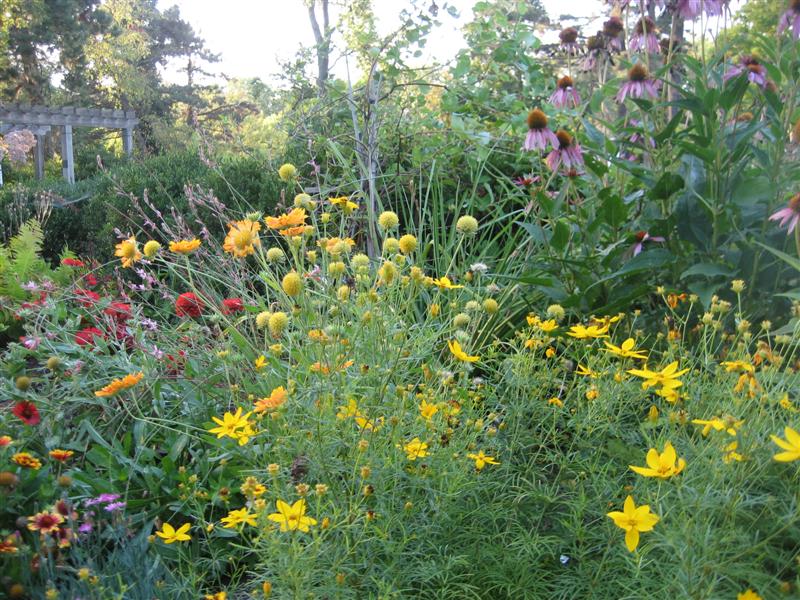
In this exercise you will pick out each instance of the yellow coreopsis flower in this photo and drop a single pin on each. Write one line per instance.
(242, 238)
(748, 594)
(481, 460)
(548, 326)
(738, 366)
(415, 449)
(128, 251)
(444, 283)
(216, 596)
(118, 385)
(184, 246)
(664, 464)
(626, 350)
(292, 518)
(791, 445)
(237, 517)
(260, 362)
(634, 520)
(427, 409)
(583, 332)
(587, 372)
(170, 535)
(230, 424)
(666, 378)
(350, 410)
(344, 203)
(729, 424)
(458, 352)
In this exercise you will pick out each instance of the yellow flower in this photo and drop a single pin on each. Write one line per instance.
(287, 172)
(242, 238)
(151, 248)
(292, 284)
(587, 372)
(252, 488)
(748, 594)
(634, 520)
(170, 535)
(128, 251)
(289, 224)
(548, 326)
(738, 366)
(791, 445)
(731, 453)
(407, 243)
(458, 352)
(351, 410)
(667, 377)
(184, 246)
(481, 460)
(583, 332)
(260, 362)
(444, 283)
(119, 385)
(236, 517)
(729, 424)
(661, 465)
(415, 449)
(344, 203)
(427, 410)
(554, 401)
(626, 350)
(217, 596)
(292, 518)
(388, 220)
(230, 424)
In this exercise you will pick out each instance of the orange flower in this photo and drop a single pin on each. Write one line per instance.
(45, 522)
(184, 246)
(8, 546)
(118, 385)
(242, 238)
(296, 218)
(26, 459)
(60, 455)
(5, 440)
(276, 398)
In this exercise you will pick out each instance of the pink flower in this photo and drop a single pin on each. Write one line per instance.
(791, 18)
(31, 343)
(568, 153)
(789, 215)
(638, 84)
(613, 30)
(565, 93)
(569, 40)
(645, 37)
(539, 135)
(643, 237)
(756, 73)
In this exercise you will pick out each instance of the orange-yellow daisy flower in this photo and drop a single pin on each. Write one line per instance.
(119, 385)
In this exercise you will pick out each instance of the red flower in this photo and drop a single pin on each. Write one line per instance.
(86, 297)
(119, 311)
(86, 336)
(90, 280)
(72, 262)
(188, 305)
(232, 305)
(28, 412)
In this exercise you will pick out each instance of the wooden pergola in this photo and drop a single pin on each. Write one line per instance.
(40, 119)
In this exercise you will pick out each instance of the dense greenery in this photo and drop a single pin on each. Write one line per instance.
(521, 325)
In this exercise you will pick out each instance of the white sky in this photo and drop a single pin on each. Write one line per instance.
(251, 35)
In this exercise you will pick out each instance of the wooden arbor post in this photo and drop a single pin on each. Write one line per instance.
(39, 119)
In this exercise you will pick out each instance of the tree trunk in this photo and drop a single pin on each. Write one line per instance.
(322, 37)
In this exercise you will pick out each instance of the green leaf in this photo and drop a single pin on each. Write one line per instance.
(789, 260)
(614, 210)
(667, 185)
(560, 236)
(708, 270)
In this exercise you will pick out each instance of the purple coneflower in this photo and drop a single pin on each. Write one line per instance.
(569, 40)
(539, 134)
(595, 46)
(565, 93)
(691, 9)
(568, 153)
(789, 215)
(613, 30)
(114, 506)
(645, 37)
(642, 237)
(638, 85)
(749, 65)
(526, 180)
(791, 18)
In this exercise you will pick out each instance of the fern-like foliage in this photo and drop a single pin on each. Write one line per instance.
(21, 260)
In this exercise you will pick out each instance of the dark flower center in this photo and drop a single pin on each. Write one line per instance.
(565, 82)
(645, 25)
(537, 119)
(564, 139)
(794, 5)
(595, 42)
(568, 35)
(613, 27)
(638, 72)
(794, 203)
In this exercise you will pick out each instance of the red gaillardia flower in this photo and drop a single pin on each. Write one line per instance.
(232, 305)
(27, 412)
(72, 262)
(45, 522)
(86, 297)
(86, 336)
(119, 311)
(189, 305)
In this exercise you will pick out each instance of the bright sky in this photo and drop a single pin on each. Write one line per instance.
(251, 35)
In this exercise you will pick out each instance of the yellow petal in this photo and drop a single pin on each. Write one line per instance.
(632, 539)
